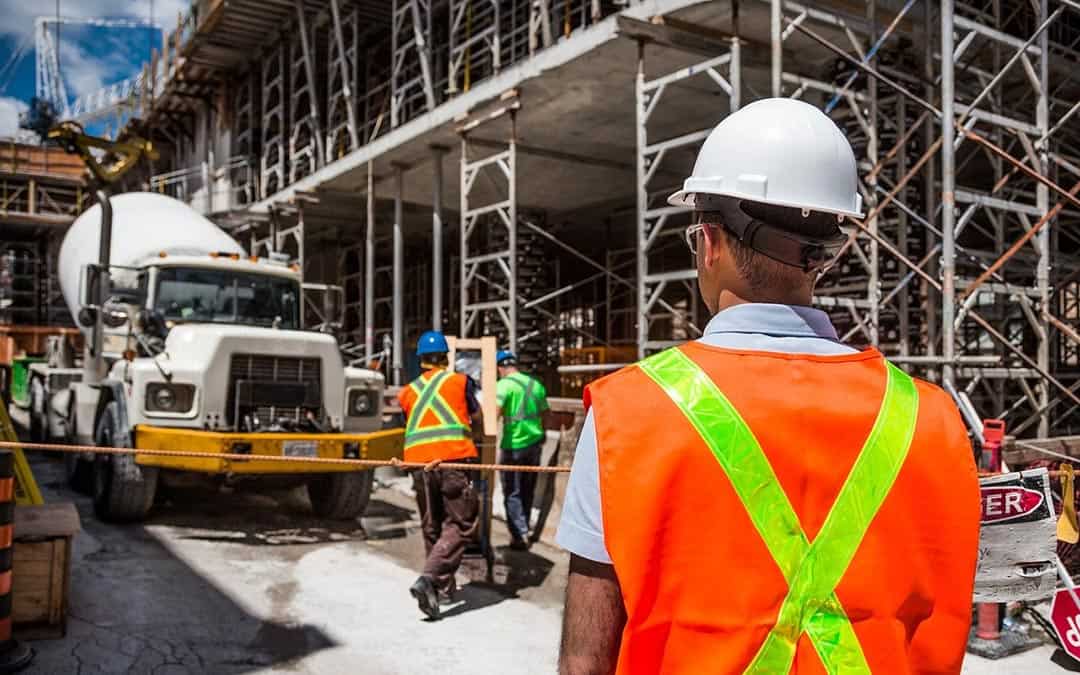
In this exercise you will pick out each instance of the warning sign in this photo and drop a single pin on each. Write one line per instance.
(1012, 502)
(1017, 538)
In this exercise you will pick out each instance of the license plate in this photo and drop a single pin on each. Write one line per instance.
(301, 449)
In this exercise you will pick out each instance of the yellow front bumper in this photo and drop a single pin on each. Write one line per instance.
(375, 445)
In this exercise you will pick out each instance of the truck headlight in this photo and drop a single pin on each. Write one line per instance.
(169, 398)
(361, 403)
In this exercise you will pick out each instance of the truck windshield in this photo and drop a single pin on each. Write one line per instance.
(220, 296)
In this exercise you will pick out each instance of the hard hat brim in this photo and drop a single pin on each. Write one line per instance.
(685, 198)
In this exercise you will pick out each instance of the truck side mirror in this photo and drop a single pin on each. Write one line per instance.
(93, 285)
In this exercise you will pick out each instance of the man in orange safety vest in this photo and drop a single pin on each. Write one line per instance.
(767, 499)
(441, 413)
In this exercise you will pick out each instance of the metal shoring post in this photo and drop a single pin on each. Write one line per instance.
(512, 188)
(777, 40)
(873, 292)
(948, 197)
(735, 71)
(309, 71)
(346, 84)
(930, 319)
(642, 204)
(437, 152)
(369, 268)
(1042, 202)
(903, 306)
(463, 233)
(398, 273)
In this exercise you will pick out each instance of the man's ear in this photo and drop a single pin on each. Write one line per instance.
(709, 237)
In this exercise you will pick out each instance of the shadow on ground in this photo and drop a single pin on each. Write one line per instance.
(135, 607)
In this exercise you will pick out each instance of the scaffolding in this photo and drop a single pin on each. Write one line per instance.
(963, 117)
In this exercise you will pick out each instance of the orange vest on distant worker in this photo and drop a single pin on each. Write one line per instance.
(437, 417)
(702, 589)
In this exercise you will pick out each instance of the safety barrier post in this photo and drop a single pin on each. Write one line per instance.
(988, 614)
(14, 656)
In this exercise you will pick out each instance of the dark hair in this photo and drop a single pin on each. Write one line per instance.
(760, 272)
(435, 360)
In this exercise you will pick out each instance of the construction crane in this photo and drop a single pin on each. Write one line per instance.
(119, 156)
(49, 87)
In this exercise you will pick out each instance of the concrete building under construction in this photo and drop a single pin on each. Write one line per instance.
(501, 167)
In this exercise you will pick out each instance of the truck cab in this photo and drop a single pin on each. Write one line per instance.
(205, 352)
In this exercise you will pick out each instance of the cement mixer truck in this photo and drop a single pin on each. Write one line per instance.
(201, 348)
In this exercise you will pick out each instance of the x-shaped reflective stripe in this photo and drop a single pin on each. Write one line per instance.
(812, 570)
(428, 392)
(521, 414)
(448, 428)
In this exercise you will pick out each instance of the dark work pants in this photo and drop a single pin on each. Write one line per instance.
(518, 488)
(449, 517)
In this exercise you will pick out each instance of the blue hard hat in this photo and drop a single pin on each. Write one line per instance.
(432, 342)
(504, 355)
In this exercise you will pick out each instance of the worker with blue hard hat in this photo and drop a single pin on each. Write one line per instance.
(441, 413)
(522, 402)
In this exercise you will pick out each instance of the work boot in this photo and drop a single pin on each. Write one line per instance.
(446, 595)
(519, 544)
(426, 597)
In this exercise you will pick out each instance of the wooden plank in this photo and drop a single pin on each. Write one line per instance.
(46, 520)
(1019, 452)
(1017, 538)
(57, 588)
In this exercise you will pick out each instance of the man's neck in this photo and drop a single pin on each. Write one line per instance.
(730, 299)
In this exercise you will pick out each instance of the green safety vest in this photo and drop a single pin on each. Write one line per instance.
(525, 420)
(812, 569)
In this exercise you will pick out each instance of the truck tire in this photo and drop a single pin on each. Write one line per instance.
(340, 496)
(78, 470)
(123, 490)
(39, 423)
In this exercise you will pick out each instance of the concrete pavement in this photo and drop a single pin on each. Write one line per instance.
(244, 582)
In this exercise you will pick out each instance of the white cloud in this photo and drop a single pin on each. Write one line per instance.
(19, 15)
(86, 66)
(10, 108)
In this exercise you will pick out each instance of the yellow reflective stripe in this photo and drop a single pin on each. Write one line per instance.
(430, 389)
(872, 476)
(449, 427)
(436, 435)
(811, 570)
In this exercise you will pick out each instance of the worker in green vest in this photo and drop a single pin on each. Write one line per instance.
(522, 403)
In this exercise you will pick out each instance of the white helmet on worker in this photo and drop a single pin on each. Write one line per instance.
(782, 176)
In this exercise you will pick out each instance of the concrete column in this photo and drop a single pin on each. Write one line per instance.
(369, 268)
(399, 277)
(1042, 202)
(948, 196)
(777, 25)
(437, 275)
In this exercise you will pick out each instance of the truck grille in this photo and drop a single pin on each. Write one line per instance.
(270, 388)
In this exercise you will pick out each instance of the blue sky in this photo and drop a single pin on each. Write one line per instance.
(90, 57)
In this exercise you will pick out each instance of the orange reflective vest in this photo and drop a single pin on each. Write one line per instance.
(437, 417)
(771, 512)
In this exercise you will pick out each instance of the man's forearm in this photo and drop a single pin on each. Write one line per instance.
(593, 619)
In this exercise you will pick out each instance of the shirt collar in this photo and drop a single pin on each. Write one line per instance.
(773, 319)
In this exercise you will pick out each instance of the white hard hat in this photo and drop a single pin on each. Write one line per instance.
(777, 151)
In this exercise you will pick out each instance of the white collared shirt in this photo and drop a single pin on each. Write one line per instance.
(753, 326)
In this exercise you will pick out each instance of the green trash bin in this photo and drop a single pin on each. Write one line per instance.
(20, 379)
